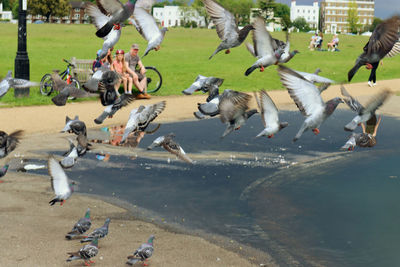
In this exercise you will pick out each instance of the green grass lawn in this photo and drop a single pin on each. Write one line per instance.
(184, 55)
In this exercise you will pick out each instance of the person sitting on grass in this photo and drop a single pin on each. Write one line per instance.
(132, 61)
(119, 66)
(313, 41)
(319, 40)
(332, 45)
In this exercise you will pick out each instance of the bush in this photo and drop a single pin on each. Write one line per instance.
(301, 24)
(190, 24)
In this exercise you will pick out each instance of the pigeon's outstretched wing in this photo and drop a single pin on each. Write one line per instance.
(59, 181)
(224, 21)
(353, 103)
(232, 104)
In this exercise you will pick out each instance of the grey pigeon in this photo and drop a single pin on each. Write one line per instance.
(211, 107)
(92, 84)
(204, 84)
(67, 92)
(226, 27)
(382, 41)
(395, 50)
(81, 226)
(99, 20)
(144, 252)
(308, 99)
(10, 82)
(269, 115)
(355, 139)
(3, 171)
(106, 87)
(58, 83)
(314, 77)
(111, 109)
(8, 142)
(70, 156)
(141, 117)
(98, 233)
(233, 109)
(264, 48)
(83, 144)
(59, 182)
(146, 25)
(75, 126)
(167, 142)
(364, 113)
(117, 12)
(287, 55)
(85, 253)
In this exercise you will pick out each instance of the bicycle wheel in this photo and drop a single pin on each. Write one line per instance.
(46, 85)
(154, 79)
(76, 83)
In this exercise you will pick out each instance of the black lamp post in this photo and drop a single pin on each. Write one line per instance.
(21, 66)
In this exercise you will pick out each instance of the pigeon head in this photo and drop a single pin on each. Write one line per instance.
(87, 214)
(295, 52)
(332, 104)
(107, 222)
(110, 77)
(151, 238)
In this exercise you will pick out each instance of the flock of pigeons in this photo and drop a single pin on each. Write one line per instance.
(232, 106)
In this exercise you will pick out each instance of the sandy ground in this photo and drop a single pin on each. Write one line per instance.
(33, 232)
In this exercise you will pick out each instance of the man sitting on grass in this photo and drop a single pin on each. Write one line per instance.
(132, 60)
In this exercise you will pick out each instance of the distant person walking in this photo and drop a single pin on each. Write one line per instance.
(372, 76)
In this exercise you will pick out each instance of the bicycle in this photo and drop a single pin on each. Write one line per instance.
(154, 79)
(46, 83)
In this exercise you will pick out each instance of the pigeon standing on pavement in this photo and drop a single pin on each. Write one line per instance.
(269, 115)
(364, 113)
(144, 252)
(167, 142)
(117, 12)
(59, 182)
(146, 25)
(264, 48)
(70, 156)
(204, 84)
(10, 82)
(85, 253)
(81, 226)
(141, 117)
(226, 27)
(233, 109)
(8, 142)
(100, 19)
(75, 126)
(382, 42)
(98, 233)
(308, 99)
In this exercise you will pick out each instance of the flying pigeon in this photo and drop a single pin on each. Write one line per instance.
(59, 182)
(354, 140)
(167, 142)
(117, 12)
(308, 99)
(58, 83)
(70, 156)
(106, 87)
(83, 144)
(264, 48)
(226, 26)
(382, 41)
(10, 82)
(395, 50)
(85, 253)
(99, 20)
(8, 142)
(233, 108)
(287, 55)
(3, 171)
(67, 92)
(144, 252)
(314, 77)
(80, 226)
(204, 84)
(74, 126)
(364, 113)
(210, 108)
(269, 115)
(141, 117)
(98, 233)
(92, 84)
(111, 109)
(146, 25)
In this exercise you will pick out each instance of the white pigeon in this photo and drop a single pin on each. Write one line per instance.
(146, 25)
(264, 48)
(59, 182)
(308, 99)
(70, 157)
(141, 117)
(269, 115)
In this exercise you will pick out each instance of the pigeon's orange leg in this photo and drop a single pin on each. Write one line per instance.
(270, 136)
(62, 202)
(227, 51)
(1, 181)
(261, 68)
(237, 128)
(316, 131)
(91, 261)
(87, 264)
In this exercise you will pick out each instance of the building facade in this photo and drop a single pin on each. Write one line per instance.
(5, 15)
(334, 14)
(309, 13)
(76, 15)
(172, 16)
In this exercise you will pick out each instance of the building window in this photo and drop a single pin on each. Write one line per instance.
(314, 11)
(309, 11)
(169, 22)
(77, 16)
(176, 22)
(77, 10)
(304, 11)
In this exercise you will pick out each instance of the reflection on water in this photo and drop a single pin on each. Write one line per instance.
(339, 209)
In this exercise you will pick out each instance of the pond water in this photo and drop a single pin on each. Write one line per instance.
(305, 203)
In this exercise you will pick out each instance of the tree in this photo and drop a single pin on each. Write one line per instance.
(279, 11)
(283, 11)
(239, 8)
(47, 8)
(15, 10)
(301, 24)
(352, 18)
(375, 23)
(201, 10)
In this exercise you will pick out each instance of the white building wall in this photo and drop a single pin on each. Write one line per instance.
(170, 16)
(309, 13)
(5, 14)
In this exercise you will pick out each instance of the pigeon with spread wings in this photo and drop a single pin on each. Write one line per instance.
(59, 182)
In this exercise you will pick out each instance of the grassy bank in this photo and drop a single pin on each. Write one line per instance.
(184, 54)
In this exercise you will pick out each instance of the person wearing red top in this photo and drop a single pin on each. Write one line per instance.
(118, 65)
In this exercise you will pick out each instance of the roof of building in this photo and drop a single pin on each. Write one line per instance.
(77, 4)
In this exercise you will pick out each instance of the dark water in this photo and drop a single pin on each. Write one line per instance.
(339, 209)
